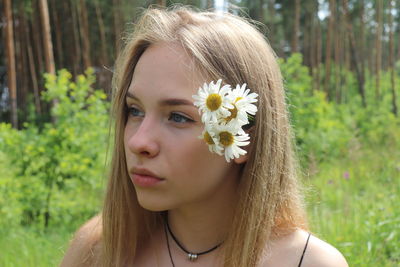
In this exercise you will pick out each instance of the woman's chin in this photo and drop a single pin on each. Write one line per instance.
(153, 204)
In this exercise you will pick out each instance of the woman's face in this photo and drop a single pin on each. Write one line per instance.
(170, 167)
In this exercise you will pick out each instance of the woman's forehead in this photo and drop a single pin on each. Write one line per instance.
(165, 67)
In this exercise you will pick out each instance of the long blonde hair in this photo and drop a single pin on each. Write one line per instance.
(228, 47)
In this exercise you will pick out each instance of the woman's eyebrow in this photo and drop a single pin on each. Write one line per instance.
(130, 95)
(176, 102)
(167, 101)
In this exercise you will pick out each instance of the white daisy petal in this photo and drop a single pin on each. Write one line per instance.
(212, 101)
(224, 111)
(231, 141)
(243, 105)
(211, 141)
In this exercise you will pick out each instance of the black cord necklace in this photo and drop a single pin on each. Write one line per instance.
(191, 256)
(169, 250)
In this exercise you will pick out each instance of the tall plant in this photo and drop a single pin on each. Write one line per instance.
(55, 160)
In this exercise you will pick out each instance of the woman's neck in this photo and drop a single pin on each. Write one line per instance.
(203, 225)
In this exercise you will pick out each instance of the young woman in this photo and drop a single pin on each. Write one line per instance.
(228, 198)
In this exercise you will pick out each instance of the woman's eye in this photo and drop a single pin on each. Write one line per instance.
(134, 112)
(176, 117)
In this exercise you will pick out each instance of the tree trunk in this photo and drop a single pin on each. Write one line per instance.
(37, 39)
(336, 38)
(75, 27)
(361, 48)
(271, 24)
(32, 69)
(307, 33)
(48, 44)
(378, 49)
(103, 41)
(392, 59)
(11, 74)
(354, 53)
(84, 31)
(328, 47)
(30, 62)
(58, 34)
(296, 27)
(319, 49)
(117, 24)
(398, 36)
(21, 63)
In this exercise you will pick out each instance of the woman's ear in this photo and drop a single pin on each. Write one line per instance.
(242, 159)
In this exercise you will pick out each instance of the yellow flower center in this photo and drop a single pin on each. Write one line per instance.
(233, 115)
(213, 102)
(226, 138)
(207, 137)
(234, 110)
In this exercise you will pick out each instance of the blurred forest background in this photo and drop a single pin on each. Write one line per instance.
(341, 64)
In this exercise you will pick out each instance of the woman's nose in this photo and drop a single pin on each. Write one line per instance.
(143, 141)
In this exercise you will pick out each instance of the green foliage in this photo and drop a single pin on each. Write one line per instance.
(52, 164)
(318, 124)
(377, 123)
(324, 128)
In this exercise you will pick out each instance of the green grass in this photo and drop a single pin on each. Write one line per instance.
(27, 247)
(359, 215)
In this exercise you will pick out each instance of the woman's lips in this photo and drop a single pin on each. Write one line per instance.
(145, 180)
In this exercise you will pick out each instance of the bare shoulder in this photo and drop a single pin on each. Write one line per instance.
(84, 246)
(320, 253)
(288, 251)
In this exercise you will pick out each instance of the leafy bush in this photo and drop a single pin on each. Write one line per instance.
(54, 163)
(323, 128)
(319, 125)
(377, 123)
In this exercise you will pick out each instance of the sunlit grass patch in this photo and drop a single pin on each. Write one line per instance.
(28, 247)
(353, 203)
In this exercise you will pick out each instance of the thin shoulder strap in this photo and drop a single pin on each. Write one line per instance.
(304, 251)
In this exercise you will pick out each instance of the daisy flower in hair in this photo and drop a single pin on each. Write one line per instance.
(211, 140)
(231, 141)
(224, 113)
(242, 101)
(212, 101)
